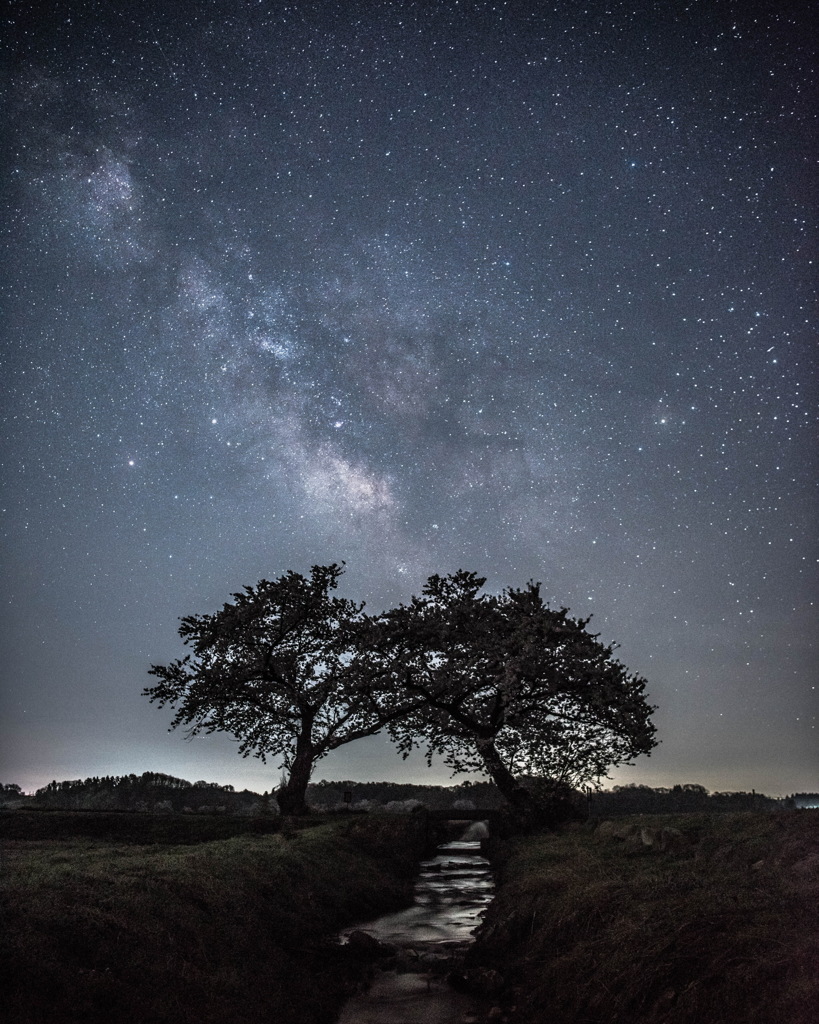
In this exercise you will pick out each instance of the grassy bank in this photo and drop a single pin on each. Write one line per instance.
(227, 930)
(680, 920)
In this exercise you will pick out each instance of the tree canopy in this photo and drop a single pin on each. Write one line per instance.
(508, 686)
(500, 684)
(282, 668)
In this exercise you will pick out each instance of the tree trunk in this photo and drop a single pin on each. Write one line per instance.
(529, 813)
(291, 797)
(520, 798)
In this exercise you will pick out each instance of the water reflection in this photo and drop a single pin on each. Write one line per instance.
(452, 891)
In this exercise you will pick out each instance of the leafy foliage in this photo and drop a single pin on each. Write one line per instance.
(510, 686)
(282, 669)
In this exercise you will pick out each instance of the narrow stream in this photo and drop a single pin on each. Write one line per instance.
(422, 944)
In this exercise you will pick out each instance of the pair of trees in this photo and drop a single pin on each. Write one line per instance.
(501, 684)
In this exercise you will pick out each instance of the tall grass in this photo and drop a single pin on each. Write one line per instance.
(686, 919)
(235, 930)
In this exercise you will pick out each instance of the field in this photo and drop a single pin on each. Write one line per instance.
(684, 919)
(152, 919)
(661, 919)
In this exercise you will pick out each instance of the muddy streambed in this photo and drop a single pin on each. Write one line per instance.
(415, 951)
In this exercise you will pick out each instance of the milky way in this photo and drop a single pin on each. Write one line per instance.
(520, 288)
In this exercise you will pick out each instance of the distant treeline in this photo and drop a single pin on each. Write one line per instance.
(156, 792)
(636, 799)
(402, 796)
(151, 791)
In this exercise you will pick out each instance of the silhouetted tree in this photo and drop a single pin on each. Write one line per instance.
(283, 669)
(510, 687)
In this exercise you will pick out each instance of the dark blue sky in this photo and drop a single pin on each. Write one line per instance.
(525, 289)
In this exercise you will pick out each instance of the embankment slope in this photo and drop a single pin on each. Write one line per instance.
(236, 929)
(659, 920)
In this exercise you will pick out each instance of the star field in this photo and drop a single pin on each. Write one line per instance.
(526, 289)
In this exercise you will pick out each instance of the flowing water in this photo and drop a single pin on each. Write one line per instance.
(426, 941)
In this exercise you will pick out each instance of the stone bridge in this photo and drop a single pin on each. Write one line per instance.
(452, 814)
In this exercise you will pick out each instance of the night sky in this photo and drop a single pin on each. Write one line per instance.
(526, 289)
